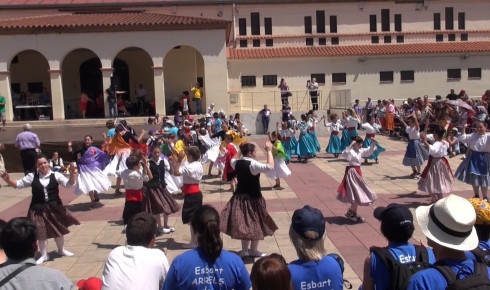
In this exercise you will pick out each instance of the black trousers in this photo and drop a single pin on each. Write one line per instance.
(314, 100)
(28, 157)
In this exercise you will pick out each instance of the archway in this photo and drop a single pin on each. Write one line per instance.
(184, 66)
(28, 76)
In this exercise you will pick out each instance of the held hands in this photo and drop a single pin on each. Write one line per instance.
(268, 146)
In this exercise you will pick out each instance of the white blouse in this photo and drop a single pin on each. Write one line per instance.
(438, 149)
(286, 133)
(478, 143)
(355, 157)
(191, 172)
(335, 127)
(256, 167)
(370, 129)
(351, 122)
(413, 133)
(27, 180)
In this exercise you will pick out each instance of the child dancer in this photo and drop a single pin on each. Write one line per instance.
(436, 179)
(281, 170)
(371, 129)
(229, 151)
(158, 200)
(475, 167)
(334, 142)
(312, 131)
(305, 146)
(192, 174)
(415, 155)
(351, 120)
(212, 148)
(353, 189)
(287, 135)
(293, 124)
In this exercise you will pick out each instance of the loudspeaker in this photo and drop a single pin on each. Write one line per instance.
(116, 83)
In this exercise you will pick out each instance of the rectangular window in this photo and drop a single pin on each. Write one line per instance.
(454, 74)
(320, 78)
(256, 43)
(385, 19)
(322, 41)
(269, 80)
(437, 21)
(386, 76)
(407, 76)
(268, 26)
(335, 40)
(269, 42)
(400, 39)
(451, 37)
(372, 23)
(461, 20)
(387, 39)
(339, 78)
(308, 28)
(242, 26)
(248, 81)
(309, 41)
(464, 36)
(320, 21)
(398, 22)
(474, 73)
(449, 18)
(333, 24)
(243, 43)
(374, 39)
(439, 37)
(255, 23)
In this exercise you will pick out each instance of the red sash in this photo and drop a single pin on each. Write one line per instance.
(370, 135)
(286, 139)
(134, 195)
(191, 188)
(351, 128)
(342, 188)
(426, 169)
(335, 133)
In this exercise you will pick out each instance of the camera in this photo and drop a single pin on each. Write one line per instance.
(308, 81)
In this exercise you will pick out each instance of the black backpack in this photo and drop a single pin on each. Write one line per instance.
(340, 261)
(478, 281)
(482, 256)
(401, 273)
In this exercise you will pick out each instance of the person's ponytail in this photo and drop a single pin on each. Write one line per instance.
(205, 222)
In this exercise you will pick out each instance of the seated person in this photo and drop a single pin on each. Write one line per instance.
(271, 272)
(121, 106)
(452, 139)
(56, 163)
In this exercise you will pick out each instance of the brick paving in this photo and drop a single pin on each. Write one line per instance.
(314, 183)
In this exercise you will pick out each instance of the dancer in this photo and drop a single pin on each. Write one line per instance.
(371, 129)
(158, 200)
(245, 216)
(436, 179)
(305, 147)
(334, 144)
(46, 209)
(211, 149)
(91, 162)
(280, 170)
(475, 167)
(229, 151)
(353, 189)
(416, 154)
(351, 120)
(312, 131)
(287, 133)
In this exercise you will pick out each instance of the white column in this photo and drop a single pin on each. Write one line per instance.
(5, 91)
(57, 103)
(106, 83)
(216, 83)
(158, 80)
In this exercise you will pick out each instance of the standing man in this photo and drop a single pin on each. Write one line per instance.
(358, 109)
(283, 86)
(27, 142)
(286, 111)
(111, 99)
(198, 94)
(265, 113)
(3, 111)
(313, 90)
(452, 96)
(369, 109)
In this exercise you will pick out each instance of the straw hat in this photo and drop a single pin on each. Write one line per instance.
(449, 222)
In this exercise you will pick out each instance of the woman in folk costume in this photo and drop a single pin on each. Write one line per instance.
(312, 131)
(281, 170)
(351, 120)
(415, 155)
(371, 129)
(212, 148)
(91, 162)
(293, 124)
(475, 167)
(287, 135)
(334, 144)
(229, 151)
(305, 147)
(353, 189)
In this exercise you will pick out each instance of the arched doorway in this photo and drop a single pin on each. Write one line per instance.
(28, 76)
(184, 66)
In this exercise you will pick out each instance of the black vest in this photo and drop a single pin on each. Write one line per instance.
(38, 201)
(248, 183)
(158, 172)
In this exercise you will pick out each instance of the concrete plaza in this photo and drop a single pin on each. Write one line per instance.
(314, 183)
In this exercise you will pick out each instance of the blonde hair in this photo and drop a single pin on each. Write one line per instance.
(307, 250)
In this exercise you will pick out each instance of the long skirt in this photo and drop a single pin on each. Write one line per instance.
(171, 186)
(474, 169)
(191, 203)
(367, 143)
(294, 146)
(334, 145)
(116, 165)
(158, 200)
(281, 170)
(416, 154)
(92, 180)
(211, 154)
(314, 139)
(390, 121)
(347, 138)
(353, 188)
(305, 146)
(436, 177)
(246, 218)
(52, 221)
(287, 148)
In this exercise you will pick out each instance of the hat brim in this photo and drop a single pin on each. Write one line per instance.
(433, 232)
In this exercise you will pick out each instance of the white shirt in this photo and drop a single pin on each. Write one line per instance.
(335, 127)
(413, 133)
(141, 93)
(355, 158)
(191, 172)
(370, 129)
(351, 122)
(438, 149)
(479, 143)
(26, 181)
(134, 267)
(132, 178)
(312, 86)
(286, 133)
(167, 164)
(256, 167)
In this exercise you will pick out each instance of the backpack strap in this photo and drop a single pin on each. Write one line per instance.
(446, 271)
(480, 254)
(14, 273)
(421, 254)
(385, 257)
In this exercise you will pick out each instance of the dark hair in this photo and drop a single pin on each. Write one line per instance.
(202, 131)
(399, 234)
(205, 222)
(247, 148)
(41, 157)
(228, 137)
(332, 116)
(276, 135)
(357, 139)
(303, 117)
(483, 232)
(132, 161)
(271, 273)
(90, 136)
(440, 131)
(141, 229)
(194, 152)
(2, 227)
(137, 153)
(19, 238)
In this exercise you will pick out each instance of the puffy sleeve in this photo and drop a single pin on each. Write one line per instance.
(26, 181)
(258, 167)
(62, 180)
(366, 152)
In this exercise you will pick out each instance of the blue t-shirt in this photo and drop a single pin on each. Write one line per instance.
(174, 130)
(111, 132)
(484, 245)
(193, 270)
(433, 279)
(323, 274)
(218, 125)
(404, 253)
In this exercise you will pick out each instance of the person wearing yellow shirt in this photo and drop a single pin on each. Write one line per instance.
(198, 94)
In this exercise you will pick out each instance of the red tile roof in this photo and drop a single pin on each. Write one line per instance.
(102, 22)
(359, 50)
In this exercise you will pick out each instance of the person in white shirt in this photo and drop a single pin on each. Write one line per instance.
(141, 92)
(415, 155)
(371, 128)
(136, 265)
(313, 90)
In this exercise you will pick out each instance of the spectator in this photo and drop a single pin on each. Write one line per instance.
(198, 95)
(271, 273)
(19, 241)
(286, 111)
(3, 257)
(462, 95)
(208, 264)
(84, 100)
(448, 226)
(313, 267)
(486, 96)
(369, 108)
(482, 227)
(111, 99)
(451, 95)
(358, 109)
(285, 93)
(265, 115)
(91, 283)
(313, 90)
(45, 97)
(452, 139)
(3, 112)
(185, 102)
(27, 142)
(136, 265)
(56, 163)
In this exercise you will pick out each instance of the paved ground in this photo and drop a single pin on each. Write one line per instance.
(314, 183)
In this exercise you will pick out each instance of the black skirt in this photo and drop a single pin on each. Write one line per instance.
(130, 209)
(191, 203)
